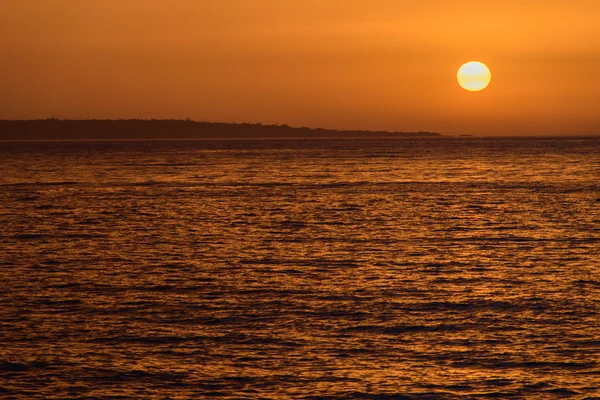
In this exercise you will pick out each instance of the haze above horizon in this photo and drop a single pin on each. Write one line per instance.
(359, 65)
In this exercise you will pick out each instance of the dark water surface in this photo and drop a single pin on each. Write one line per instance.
(430, 268)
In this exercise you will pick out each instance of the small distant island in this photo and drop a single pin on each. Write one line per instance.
(142, 129)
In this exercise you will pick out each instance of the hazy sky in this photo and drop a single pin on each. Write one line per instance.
(364, 64)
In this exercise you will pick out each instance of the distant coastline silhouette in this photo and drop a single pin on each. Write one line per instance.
(132, 129)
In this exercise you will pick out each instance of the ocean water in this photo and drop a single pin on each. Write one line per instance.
(322, 269)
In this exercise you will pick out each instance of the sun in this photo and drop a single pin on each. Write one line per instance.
(474, 76)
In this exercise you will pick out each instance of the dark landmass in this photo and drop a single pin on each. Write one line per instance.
(138, 129)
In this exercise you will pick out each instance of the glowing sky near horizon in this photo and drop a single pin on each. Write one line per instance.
(347, 64)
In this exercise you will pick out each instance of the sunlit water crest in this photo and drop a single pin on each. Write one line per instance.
(429, 268)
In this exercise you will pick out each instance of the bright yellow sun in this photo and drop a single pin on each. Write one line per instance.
(474, 76)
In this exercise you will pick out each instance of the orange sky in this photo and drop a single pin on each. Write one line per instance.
(348, 64)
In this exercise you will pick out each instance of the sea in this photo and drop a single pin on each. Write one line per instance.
(399, 268)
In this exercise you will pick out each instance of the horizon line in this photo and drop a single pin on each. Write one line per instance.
(386, 133)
